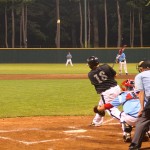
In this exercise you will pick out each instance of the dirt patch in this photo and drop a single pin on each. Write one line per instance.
(53, 76)
(61, 133)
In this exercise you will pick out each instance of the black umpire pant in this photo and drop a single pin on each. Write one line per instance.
(142, 125)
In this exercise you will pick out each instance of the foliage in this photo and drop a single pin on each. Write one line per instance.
(42, 23)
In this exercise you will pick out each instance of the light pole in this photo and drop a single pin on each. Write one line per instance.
(85, 23)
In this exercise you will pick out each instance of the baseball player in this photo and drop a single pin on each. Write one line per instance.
(102, 77)
(121, 50)
(142, 83)
(131, 106)
(69, 57)
(121, 59)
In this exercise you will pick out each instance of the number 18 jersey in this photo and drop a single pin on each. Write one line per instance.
(103, 78)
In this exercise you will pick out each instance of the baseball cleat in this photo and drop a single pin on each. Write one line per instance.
(133, 146)
(146, 137)
(96, 124)
(127, 137)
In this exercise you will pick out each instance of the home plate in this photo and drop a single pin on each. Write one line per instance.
(75, 131)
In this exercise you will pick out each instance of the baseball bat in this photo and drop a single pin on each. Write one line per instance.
(113, 64)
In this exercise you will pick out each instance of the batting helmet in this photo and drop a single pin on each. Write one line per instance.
(127, 85)
(92, 61)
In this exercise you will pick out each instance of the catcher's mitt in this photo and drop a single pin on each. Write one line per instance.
(101, 113)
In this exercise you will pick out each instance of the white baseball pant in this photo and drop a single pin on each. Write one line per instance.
(108, 96)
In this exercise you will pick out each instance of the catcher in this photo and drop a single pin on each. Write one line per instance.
(131, 106)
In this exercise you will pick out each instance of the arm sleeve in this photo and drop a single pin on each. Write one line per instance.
(113, 72)
(108, 106)
(138, 83)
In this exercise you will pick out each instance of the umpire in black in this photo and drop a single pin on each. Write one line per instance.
(142, 83)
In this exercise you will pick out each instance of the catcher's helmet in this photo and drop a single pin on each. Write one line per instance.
(92, 61)
(127, 85)
(143, 65)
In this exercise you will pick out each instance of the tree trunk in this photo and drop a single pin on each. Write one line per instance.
(57, 38)
(141, 27)
(6, 28)
(21, 26)
(119, 25)
(81, 24)
(85, 23)
(89, 25)
(13, 25)
(25, 24)
(132, 27)
(106, 24)
(95, 25)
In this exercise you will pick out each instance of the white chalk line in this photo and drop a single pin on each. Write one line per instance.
(30, 143)
(20, 130)
(52, 140)
(75, 131)
(112, 123)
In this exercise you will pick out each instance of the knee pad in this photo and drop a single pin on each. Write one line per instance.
(127, 128)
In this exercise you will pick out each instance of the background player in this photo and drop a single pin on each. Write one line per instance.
(121, 59)
(103, 79)
(131, 106)
(69, 59)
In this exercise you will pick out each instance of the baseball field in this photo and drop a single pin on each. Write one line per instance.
(50, 107)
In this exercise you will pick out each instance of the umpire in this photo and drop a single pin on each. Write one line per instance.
(142, 83)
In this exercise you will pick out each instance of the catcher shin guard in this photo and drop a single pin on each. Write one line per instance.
(127, 128)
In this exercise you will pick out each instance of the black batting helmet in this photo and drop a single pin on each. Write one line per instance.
(92, 61)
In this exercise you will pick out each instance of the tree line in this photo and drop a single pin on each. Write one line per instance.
(74, 23)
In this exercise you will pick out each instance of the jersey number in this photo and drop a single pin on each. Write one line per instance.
(100, 77)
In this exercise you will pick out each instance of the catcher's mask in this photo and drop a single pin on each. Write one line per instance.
(143, 65)
(127, 85)
(92, 61)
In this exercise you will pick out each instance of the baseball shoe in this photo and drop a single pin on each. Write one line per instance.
(96, 124)
(134, 146)
(127, 137)
(146, 137)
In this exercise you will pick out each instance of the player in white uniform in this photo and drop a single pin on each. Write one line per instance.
(122, 63)
(121, 59)
(131, 106)
(69, 59)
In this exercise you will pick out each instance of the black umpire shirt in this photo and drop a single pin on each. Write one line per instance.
(102, 78)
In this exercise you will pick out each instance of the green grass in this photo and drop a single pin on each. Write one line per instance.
(47, 97)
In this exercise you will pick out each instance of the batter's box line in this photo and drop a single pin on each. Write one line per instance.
(108, 122)
(30, 143)
(20, 130)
